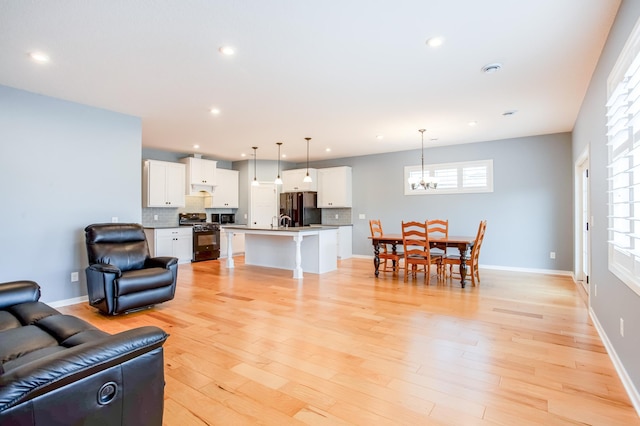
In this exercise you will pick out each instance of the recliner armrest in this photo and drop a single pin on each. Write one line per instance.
(106, 268)
(15, 292)
(62, 368)
(161, 262)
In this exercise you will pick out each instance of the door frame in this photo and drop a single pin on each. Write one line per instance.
(582, 261)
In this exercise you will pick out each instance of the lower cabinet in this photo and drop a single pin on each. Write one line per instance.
(345, 249)
(237, 242)
(174, 242)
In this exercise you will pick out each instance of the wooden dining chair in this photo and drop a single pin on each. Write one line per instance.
(438, 228)
(472, 261)
(385, 253)
(417, 250)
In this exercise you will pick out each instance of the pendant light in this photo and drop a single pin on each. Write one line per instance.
(429, 183)
(278, 181)
(307, 178)
(255, 157)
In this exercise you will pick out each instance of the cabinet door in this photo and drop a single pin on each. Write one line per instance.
(183, 247)
(175, 177)
(155, 186)
(226, 193)
(334, 187)
(293, 180)
(163, 243)
(203, 172)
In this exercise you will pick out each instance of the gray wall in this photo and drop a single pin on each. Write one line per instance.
(528, 215)
(614, 300)
(62, 166)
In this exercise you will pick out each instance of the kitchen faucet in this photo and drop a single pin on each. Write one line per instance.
(285, 221)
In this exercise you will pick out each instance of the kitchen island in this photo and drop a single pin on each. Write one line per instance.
(299, 249)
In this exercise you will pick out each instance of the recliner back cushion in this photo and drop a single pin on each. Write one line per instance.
(121, 244)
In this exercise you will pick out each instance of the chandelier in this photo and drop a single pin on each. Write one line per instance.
(425, 182)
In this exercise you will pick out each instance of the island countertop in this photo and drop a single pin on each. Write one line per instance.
(312, 228)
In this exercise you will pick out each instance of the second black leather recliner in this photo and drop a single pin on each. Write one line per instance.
(122, 276)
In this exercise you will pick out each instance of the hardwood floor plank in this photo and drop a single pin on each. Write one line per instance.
(254, 346)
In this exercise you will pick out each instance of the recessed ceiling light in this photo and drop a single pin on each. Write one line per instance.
(39, 57)
(491, 68)
(214, 111)
(435, 41)
(243, 155)
(473, 123)
(284, 155)
(380, 137)
(196, 146)
(509, 113)
(433, 139)
(227, 50)
(328, 150)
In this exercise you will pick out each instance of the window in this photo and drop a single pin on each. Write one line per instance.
(623, 143)
(452, 178)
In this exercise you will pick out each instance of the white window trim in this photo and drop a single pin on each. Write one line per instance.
(623, 262)
(459, 166)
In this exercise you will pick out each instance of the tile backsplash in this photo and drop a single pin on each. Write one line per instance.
(343, 216)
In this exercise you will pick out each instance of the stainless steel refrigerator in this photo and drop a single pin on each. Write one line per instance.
(301, 207)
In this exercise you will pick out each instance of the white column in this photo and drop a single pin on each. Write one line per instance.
(297, 271)
(230, 262)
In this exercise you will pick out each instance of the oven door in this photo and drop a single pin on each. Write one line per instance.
(206, 245)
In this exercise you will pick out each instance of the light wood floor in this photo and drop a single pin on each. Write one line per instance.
(254, 346)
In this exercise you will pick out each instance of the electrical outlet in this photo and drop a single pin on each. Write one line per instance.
(114, 219)
(552, 255)
(337, 216)
(361, 216)
(155, 217)
(74, 277)
(622, 327)
(595, 290)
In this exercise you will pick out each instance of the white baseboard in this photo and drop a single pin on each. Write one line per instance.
(622, 373)
(67, 302)
(500, 268)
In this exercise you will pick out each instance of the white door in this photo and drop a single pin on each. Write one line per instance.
(264, 205)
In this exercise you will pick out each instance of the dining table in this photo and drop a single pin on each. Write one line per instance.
(463, 244)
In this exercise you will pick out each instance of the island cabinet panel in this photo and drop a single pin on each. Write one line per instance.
(173, 242)
(293, 180)
(201, 175)
(163, 184)
(299, 249)
(225, 194)
(334, 187)
(345, 242)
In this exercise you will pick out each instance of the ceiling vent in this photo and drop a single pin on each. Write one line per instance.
(491, 68)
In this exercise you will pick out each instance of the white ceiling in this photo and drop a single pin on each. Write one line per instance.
(340, 72)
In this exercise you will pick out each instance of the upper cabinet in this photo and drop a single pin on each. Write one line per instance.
(292, 180)
(201, 175)
(334, 187)
(226, 191)
(163, 184)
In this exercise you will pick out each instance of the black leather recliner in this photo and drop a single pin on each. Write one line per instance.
(122, 276)
(59, 370)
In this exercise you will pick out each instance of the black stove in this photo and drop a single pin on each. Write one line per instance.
(206, 236)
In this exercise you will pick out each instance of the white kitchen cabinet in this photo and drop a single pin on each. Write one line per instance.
(173, 242)
(293, 180)
(345, 249)
(237, 241)
(225, 194)
(334, 187)
(163, 184)
(201, 175)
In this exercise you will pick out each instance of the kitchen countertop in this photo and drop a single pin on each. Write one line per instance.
(280, 229)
